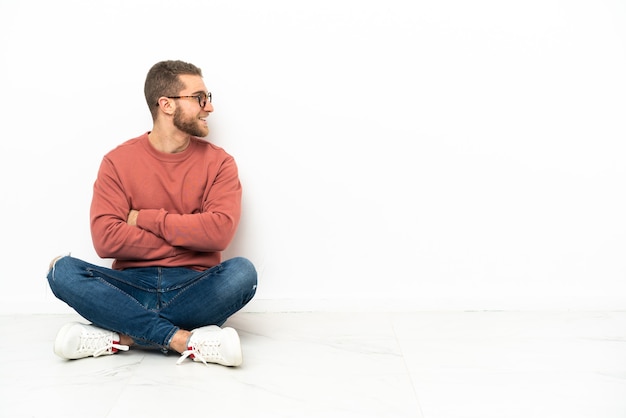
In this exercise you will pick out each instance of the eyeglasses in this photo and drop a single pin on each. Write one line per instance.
(201, 98)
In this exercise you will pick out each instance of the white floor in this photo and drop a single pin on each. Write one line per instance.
(431, 365)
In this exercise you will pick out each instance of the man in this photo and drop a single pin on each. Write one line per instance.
(165, 204)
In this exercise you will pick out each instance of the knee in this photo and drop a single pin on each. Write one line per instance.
(246, 279)
(53, 275)
(244, 270)
(52, 268)
(242, 277)
(54, 261)
(59, 270)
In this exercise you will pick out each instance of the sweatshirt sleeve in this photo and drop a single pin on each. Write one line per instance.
(208, 231)
(112, 236)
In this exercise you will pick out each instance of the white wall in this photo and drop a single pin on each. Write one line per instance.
(394, 154)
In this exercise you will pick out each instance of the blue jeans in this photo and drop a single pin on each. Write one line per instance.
(150, 304)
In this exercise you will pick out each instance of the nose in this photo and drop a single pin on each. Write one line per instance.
(208, 106)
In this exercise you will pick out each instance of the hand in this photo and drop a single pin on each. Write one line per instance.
(132, 217)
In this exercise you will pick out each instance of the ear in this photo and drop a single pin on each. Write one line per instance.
(166, 105)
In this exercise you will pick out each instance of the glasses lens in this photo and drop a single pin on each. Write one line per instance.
(203, 99)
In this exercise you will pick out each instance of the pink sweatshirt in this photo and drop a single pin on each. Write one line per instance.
(189, 205)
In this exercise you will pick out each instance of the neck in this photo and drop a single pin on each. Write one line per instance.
(169, 142)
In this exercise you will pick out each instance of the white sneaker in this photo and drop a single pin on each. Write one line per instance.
(212, 344)
(76, 340)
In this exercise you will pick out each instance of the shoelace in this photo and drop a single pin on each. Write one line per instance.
(203, 351)
(99, 343)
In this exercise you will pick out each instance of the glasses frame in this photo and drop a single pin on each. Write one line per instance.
(208, 98)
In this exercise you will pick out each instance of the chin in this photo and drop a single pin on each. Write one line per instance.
(203, 131)
(200, 133)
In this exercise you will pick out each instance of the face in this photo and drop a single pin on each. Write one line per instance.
(189, 117)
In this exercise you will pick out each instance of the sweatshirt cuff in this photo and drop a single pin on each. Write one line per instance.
(152, 220)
